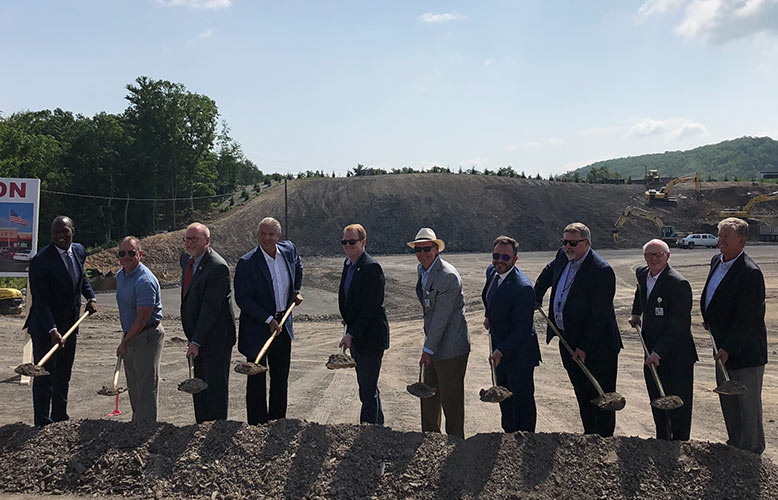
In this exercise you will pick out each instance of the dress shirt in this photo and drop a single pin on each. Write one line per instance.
(64, 254)
(651, 281)
(196, 263)
(563, 288)
(351, 268)
(281, 280)
(717, 276)
(424, 275)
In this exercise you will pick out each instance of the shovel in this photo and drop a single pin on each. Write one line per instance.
(612, 401)
(115, 390)
(420, 389)
(37, 370)
(728, 387)
(249, 368)
(192, 385)
(496, 393)
(662, 402)
(341, 360)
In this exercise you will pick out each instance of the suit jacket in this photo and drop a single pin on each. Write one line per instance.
(56, 301)
(735, 315)
(255, 296)
(511, 319)
(206, 308)
(363, 308)
(669, 333)
(443, 305)
(589, 318)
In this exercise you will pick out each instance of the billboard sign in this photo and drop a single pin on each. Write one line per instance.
(19, 202)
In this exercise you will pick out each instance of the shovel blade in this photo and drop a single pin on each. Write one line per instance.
(248, 368)
(610, 401)
(337, 361)
(667, 403)
(111, 391)
(193, 385)
(495, 394)
(731, 388)
(421, 390)
(31, 370)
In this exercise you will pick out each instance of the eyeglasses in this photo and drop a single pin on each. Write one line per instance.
(572, 243)
(350, 242)
(131, 253)
(653, 255)
(422, 249)
(190, 239)
(503, 256)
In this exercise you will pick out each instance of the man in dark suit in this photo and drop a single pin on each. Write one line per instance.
(733, 309)
(361, 302)
(57, 283)
(663, 304)
(208, 320)
(581, 307)
(509, 302)
(267, 281)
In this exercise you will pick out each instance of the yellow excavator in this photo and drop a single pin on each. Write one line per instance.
(663, 194)
(667, 234)
(746, 211)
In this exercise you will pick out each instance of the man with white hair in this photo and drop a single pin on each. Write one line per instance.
(267, 282)
(663, 305)
(733, 310)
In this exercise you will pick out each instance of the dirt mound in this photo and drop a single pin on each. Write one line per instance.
(295, 459)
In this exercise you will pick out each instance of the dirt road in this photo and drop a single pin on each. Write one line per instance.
(325, 396)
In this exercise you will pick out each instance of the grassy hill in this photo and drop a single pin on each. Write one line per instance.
(741, 159)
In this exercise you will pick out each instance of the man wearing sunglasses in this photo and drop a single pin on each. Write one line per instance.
(663, 304)
(361, 303)
(208, 320)
(509, 302)
(139, 298)
(446, 341)
(581, 307)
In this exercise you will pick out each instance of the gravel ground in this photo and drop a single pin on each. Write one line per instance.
(297, 459)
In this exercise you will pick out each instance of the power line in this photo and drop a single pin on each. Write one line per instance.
(125, 198)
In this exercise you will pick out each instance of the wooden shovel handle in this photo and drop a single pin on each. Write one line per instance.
(64, 338)
(570, 350)
(718, 361)
(280, 329)
(651, 367)
(189, 362)
(116, 373)
(491, 363)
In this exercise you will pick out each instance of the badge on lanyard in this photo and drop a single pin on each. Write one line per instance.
(659, 310)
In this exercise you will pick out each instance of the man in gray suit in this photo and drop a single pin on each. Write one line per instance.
(446, 342)
(208, 320)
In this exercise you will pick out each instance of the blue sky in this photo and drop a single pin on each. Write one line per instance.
(545, 86)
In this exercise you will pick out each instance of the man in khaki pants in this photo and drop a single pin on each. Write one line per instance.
(446, 341)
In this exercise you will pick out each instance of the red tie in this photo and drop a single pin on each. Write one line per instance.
(188, 275)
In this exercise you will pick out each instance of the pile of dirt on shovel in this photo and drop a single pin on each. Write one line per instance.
(297, 459)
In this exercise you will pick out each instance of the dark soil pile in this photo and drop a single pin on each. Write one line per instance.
(294, 459)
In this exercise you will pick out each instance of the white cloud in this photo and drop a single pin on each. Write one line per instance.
(689, 130)
(207, 33)
(488, 62)
(430, 17)
(647, 127)
(197, 4)
(718, 21)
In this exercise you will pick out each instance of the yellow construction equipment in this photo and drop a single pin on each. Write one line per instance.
(667, 234)
(663, 194)
(746, 211)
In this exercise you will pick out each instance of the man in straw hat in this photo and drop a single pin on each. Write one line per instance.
(733, 309)
(446, 341)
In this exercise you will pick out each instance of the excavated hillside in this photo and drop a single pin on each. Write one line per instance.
(467, 211)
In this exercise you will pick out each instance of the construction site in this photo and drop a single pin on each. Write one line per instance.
(319, 451)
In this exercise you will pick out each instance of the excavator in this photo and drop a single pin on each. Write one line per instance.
(667, 234)
(746, 211)
(663, 195)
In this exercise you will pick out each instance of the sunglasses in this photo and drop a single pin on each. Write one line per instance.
(131, 253)
(503, 256)
(572, 243)
(422, 249)
(350, 242)
(654, 255)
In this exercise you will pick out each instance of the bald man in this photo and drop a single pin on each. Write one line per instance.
(663, 305)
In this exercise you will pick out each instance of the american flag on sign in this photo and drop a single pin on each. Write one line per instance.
(16, 218)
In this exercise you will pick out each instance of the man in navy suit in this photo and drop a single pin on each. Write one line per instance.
(57, 283)
(733, 309)
(581, 307)
(267, 281)
(361, 303)
(509, 302)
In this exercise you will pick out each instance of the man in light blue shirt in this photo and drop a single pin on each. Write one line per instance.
(139, 298)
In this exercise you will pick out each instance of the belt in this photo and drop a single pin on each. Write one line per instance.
(150, 326)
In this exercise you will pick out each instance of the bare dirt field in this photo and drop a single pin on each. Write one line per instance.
(330, 397)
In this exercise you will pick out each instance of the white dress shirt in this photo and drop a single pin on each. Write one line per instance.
(279, 273)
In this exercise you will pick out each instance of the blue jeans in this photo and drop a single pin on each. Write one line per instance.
(368, 368)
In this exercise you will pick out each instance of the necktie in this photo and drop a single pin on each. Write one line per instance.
(188, 275)
(492, 289)
(71, 268)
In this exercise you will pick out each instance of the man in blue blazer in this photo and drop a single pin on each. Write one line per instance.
(509, 302)
(267, 281)
(581, 307)
(57, 283)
